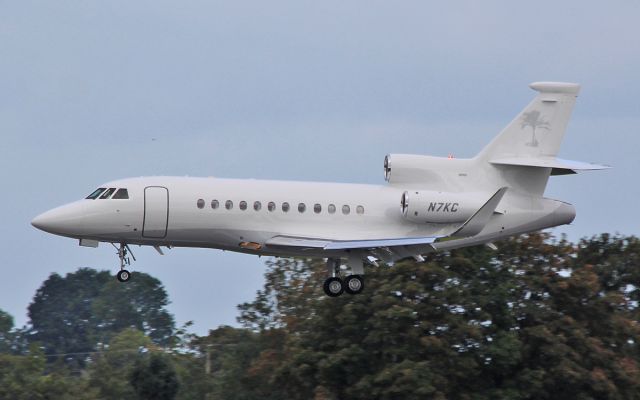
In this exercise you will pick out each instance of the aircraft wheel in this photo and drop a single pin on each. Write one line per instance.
(123, 275)
(354, 284)
(333, 287)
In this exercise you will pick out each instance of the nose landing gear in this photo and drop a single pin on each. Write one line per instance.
(123, 252)
(123, 275)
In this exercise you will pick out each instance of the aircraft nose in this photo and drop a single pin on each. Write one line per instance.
(65, 220)
(49, 221)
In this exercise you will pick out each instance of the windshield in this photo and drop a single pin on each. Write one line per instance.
(121, 194)
(96, 193)
(108, 193)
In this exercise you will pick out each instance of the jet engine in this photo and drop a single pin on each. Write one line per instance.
(439, 207)
(411, 169)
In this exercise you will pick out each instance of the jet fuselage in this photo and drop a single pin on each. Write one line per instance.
(242, 215)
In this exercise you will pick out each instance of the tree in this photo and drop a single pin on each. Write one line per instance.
(6, 322)
(72, 315)
(109, 370)
(6, 326)
(540, 318)
(61, 314)
(140, 304)
(238, 362)
(23, 377)
(154, 378)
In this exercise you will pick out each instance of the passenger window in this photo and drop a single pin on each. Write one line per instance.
(96, 193)
(346, 209)
(108, 193)
(317, 208)
(121, 194)
(257, 205)
(285, 207)
(360, 210)
(332, 209)
(301, 207)
(215, 204)
(200, 203)
(243, 205)
(228, 204)
(271, 206)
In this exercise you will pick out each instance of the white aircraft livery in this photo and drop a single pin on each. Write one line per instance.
(428, 204)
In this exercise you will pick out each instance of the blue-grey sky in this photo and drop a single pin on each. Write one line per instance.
(92, 91)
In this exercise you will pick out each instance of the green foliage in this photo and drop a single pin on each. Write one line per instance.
(139, 303)
(23, 377)
(75, 314)
(6, 323)
(238, 362)
(6, 336)
(61, 315)
(109, 370)
(538, 319)
(154, 378)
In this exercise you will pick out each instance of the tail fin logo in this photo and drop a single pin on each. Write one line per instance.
(535, 120)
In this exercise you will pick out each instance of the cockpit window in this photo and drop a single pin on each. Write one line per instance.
(96, 193)
(108, 193)
(121, 194)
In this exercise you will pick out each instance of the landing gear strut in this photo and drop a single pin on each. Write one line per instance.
(334, 286)
(123, 254)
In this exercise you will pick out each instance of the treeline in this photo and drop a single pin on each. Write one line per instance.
(541, 318)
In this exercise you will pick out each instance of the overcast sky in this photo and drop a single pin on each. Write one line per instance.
(92, 91)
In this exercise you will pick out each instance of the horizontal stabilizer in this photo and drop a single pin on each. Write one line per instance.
(558, 165)
(476, 223)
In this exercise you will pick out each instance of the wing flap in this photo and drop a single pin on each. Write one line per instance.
(372, 244)
(291, 241)
(327, 244)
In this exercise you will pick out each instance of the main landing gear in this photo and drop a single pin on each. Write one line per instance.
(334, 286)
(123, 254)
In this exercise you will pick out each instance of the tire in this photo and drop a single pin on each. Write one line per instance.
(123, 275)
(354, 284)
(333, 287)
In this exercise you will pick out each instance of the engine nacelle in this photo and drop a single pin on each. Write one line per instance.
(410, 169)
(439, 207)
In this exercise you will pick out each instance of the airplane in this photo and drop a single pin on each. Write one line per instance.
(428, 204)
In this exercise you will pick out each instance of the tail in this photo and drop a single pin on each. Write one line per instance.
(523, 155)
(538, 130)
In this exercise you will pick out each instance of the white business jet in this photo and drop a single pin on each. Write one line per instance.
(428, 204)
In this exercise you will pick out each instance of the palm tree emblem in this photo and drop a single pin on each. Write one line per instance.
(535, 121)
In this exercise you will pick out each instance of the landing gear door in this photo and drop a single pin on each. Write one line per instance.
(156, 212)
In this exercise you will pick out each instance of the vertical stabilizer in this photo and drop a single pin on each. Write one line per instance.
(533, 136)
(538, 130)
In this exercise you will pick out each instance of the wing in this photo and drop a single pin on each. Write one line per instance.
(325, 244)
(389, 250)
(393, 249)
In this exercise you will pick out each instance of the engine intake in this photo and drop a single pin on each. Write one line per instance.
(411, 169)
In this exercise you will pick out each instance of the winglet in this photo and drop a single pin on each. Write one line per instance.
(480, 218)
